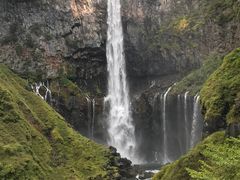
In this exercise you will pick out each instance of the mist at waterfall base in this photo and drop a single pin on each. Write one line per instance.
(173, 127)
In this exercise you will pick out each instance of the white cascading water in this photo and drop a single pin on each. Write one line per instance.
(179, 111)
(89, 115)
(48, 94)
(165, 152)
(120, 127)
(37, 88)
(195, 123)
(93, 117)
(186, 119)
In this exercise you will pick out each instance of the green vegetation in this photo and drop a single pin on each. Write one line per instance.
(36, 142)
(223, 161)
(185, 30)
(221, 11)
(195, 80)
(216, 157)
(178, 170)
(65, 88)
(220, 94)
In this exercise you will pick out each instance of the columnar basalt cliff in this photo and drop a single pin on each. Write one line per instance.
(46, 38)
(164, 37)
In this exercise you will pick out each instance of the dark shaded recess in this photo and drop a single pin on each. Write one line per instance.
(148, 118)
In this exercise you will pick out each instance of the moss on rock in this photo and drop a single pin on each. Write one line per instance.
(220, 93)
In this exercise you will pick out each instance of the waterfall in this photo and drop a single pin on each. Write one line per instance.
(196, 123)
(93, 117)
(176, 125)
(89, 115)
(179, 111)
(48, 94)
(186, 119)
(165, 155)
(120, 127)
(37, 88)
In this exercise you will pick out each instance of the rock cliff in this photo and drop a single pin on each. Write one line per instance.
(64, 42)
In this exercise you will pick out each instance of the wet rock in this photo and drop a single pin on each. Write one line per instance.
(125, 168)
(233, 129)
(212, 126)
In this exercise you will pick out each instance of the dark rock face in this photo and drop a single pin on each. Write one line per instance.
(214, 126)
(141, 20)
(126, 170)
(233, 130)
(161, 40)
(54, 37)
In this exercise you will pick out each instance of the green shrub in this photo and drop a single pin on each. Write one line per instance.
(195, 80)
(223, 161)
(220, 91)
(178, 170)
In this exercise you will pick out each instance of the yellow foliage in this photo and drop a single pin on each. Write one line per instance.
(183, 24)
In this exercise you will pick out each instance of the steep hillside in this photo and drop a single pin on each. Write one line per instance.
(216, 157)
(36, 142)
(177, 170)
(220, 95)
(194, 81)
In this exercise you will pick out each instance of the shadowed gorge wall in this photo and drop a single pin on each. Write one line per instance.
(181, 131)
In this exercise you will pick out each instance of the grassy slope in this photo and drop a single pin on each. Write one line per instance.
(220, 94)
(195, 80)
(177, 170)
(217, 157)
(36, 143)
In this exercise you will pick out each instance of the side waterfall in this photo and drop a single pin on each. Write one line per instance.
(165, 148)
(48, 94)
(196, 123)
(175, 126)
(120, 127)
(186, 119)
(91, 117)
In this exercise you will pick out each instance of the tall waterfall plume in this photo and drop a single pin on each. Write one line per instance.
(120, 127)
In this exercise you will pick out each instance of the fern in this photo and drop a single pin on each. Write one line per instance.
(223, 161)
